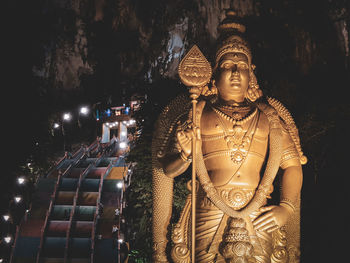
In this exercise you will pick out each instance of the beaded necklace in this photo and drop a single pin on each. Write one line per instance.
(234, 121)
(238, 141)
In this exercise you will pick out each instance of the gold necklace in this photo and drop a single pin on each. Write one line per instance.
(237, 141)
(234, 121)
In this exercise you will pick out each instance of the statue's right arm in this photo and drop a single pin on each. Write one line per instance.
(175, 164)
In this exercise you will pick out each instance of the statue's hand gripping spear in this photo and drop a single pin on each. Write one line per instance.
(195, 72)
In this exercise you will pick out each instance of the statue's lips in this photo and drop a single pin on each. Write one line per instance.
(235, 81)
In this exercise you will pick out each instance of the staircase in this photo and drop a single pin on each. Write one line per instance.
(65, 223)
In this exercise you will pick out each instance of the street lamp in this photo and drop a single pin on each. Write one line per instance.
(67, 116)
(84, 110)
(56, 125)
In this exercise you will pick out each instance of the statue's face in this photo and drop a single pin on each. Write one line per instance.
(233, 77)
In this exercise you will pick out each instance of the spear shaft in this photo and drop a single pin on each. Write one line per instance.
(193, 201)
(195, 72)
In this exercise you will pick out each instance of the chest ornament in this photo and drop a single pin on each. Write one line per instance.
(238, 141)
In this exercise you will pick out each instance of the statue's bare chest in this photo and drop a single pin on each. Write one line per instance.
(231, 148)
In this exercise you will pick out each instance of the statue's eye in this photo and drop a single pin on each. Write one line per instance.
(242, 66)
(226, 65)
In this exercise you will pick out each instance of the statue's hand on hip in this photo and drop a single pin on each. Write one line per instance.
(272, 218)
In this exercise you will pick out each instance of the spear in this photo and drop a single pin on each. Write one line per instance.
(195, 72)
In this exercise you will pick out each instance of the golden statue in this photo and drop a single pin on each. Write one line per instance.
(239, 139)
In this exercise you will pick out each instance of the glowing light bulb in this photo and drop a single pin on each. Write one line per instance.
(67, 116)
(122, 145)
(20, 180)
(18, 199)
(7, 239)
(84, 110)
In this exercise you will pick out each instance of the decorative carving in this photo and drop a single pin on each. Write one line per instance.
(237, 197)
(180, 252)
(194, 69)
(236, 246)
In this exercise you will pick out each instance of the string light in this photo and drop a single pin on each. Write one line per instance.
(6, 217)
(8, 239)
(120, 185)
(18, 199)
(20, 180)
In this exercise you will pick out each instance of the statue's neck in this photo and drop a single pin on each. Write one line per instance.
(231, 103)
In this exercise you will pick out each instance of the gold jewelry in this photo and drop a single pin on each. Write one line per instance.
(236, 197)
(285, 202)
(253, 88)
(238, 142)
(234, 121)
(233, 42)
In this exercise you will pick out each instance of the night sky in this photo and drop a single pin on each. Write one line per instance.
(313, 83)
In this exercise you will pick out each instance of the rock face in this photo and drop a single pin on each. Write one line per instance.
(116, 42)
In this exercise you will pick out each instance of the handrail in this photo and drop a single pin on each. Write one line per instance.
(18, 228)
(93, 232)
(53, 197)
(48, 212)
(74, 155)
(55, 166)
(93, 145)
(15, 241)
(76, 196)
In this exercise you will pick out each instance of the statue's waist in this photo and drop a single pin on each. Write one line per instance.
(235, 197)
(228, 154)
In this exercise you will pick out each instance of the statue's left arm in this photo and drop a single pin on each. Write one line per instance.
(276, 216)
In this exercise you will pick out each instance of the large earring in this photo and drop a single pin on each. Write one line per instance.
(213, 89)
(253, 91)
(213, 92)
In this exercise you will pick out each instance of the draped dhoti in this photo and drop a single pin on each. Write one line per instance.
(211, 225)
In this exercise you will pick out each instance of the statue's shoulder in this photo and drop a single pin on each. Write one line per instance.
(288, 124)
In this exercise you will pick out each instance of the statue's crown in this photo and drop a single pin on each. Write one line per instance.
(231, 38)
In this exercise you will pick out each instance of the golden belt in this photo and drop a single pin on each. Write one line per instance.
(236, 198)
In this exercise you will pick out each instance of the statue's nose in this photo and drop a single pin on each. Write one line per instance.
(234, 69)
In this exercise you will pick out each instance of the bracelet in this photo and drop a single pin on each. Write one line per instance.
(185, 158)
(287, 203)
